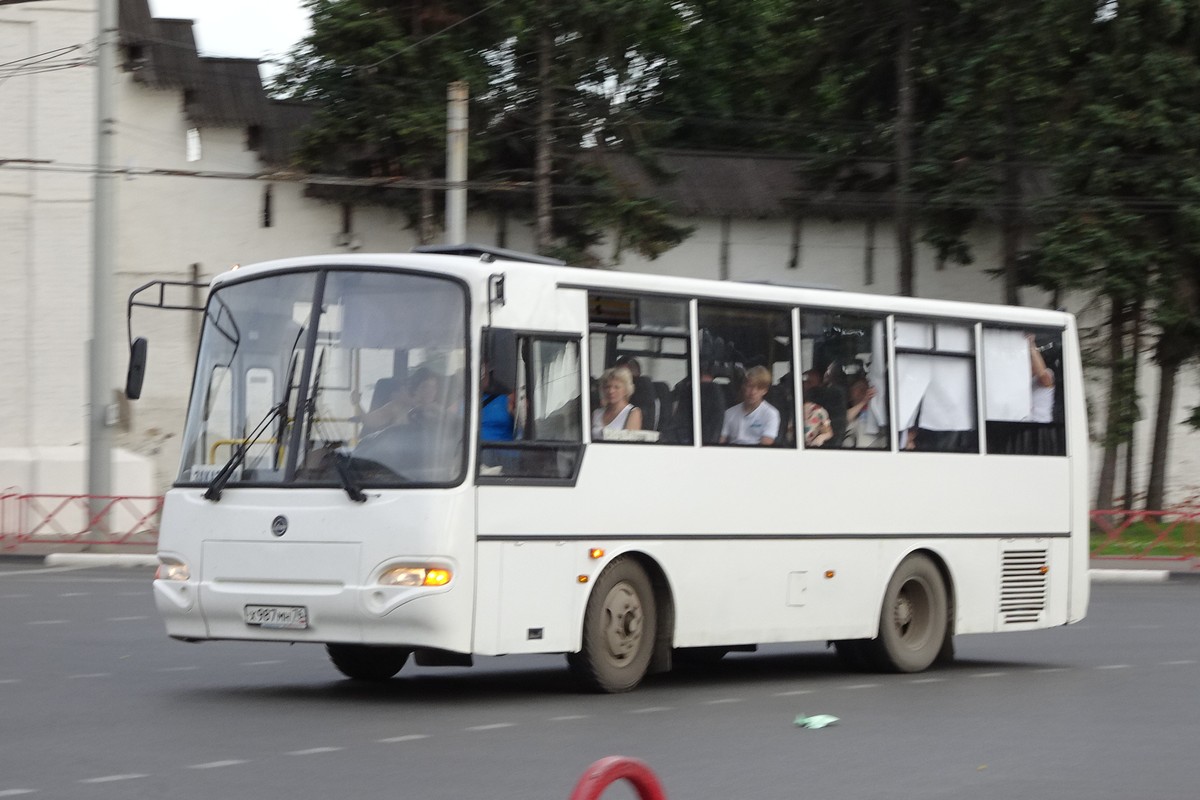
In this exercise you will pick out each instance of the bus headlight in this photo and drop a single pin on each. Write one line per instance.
(172, 570)
(413, 575)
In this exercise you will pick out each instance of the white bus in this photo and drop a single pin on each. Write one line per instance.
(923, 475)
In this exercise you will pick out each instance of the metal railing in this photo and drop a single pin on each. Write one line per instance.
(78, 519)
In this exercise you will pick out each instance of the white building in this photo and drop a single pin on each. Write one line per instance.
(193, 133)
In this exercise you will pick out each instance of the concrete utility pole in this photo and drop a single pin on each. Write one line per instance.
(101, 405)
(456, 162)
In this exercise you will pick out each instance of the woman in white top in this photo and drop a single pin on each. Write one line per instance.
(616, 412)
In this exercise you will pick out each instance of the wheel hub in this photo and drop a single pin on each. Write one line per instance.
(623, 622)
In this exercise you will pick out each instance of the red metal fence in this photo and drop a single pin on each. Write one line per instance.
(1147, 535)
(29, 520)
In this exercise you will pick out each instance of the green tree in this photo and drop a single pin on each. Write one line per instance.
(1129, 203)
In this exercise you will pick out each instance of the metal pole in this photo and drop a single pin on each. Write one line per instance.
(103, 243)
(456, 162)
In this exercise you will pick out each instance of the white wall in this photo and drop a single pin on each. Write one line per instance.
(168, 223)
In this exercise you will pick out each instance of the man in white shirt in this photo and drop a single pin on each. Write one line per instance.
(753, 421)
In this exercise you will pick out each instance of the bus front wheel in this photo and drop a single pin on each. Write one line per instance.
(619, 629)
(914, 620)
(366, 663)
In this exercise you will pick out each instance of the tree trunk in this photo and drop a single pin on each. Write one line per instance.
(1106, 486)
(427, 224)
(905, 115)
(1010, 210)
(1131, 440)
(1156, 487)
(544, 154)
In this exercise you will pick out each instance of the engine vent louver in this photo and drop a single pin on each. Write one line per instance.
(1023, 586)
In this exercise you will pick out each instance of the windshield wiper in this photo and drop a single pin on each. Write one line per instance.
(239, 454)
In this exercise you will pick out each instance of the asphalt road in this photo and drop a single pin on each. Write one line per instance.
(96, 702)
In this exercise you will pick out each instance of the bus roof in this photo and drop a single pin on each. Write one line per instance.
(476, 271)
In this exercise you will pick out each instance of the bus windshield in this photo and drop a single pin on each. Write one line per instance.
(340, 378)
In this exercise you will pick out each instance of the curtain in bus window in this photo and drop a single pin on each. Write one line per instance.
(877, 376)
(949, 403)
(1008, 392)
(913, 374)
(940, 389)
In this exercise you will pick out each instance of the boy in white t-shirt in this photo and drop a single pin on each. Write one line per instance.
(754, 420)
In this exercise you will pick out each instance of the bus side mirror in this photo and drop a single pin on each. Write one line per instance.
(137, 368)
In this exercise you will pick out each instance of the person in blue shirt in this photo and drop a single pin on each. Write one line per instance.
(496, 409)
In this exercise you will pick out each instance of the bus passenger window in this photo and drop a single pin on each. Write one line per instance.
(1023, 395)
(540, 439)
(747, 375)
(935, 386)
(845, 374)
(639, 365)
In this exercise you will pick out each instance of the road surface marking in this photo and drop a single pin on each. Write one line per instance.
(48, 622)
(494, 726)
(91, 675)
(176, 669)
(862, 686)
(312, 751)
(261, 663)
(114, 778)
(15, 792)
(1177, 663)
(126, 619)
(411, 737)
(928, 680)
(232, 762)
(10, 680)
(1051, 669)
(792, 693)
(76, 594)
(722, 700)
(649, 710)
(568, 717)
(1115, 666)
(990, 675)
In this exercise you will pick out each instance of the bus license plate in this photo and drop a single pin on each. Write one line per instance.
(289, 617)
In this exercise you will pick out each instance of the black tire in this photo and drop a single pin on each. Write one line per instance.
(619, 629)
(362, 662)
(914, 620)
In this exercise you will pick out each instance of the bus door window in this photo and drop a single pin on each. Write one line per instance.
(544, 444)
(646, 339)
(844, 360)
(745, 350)
(935, 386)
(1022, 394)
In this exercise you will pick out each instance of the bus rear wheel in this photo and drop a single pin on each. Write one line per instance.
(914, 620)
(619, 629)
(362, 662)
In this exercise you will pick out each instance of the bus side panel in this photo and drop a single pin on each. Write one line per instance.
(530, 597)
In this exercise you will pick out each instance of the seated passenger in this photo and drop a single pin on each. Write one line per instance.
(388, 409)
(616, 412)
(861, 429)
(426, 398)
(817, 428)
(753, 421)
(496, 408)
(643, 396)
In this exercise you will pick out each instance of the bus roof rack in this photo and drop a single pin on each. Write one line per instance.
(486, 253)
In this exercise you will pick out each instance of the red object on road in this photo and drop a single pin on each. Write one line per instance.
(599, 775)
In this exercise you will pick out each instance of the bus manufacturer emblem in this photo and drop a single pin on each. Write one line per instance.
(279, 525)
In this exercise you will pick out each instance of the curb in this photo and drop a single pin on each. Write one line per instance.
(101, 560)
(1129, 575)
